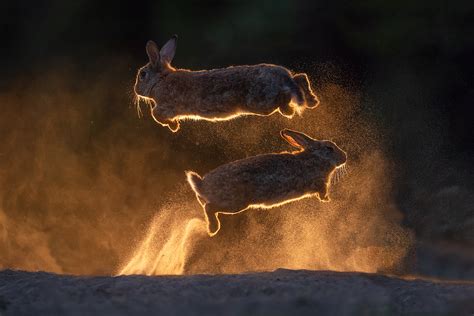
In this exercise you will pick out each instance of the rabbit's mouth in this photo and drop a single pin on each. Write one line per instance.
(148, 93)
(152, 87)
(145, 97)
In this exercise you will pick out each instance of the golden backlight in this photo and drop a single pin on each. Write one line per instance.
(86, 189)
(150, 104)
(358, 230)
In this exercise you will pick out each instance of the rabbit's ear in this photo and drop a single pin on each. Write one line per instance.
(168, 50)
(295, 138)
(153, 53)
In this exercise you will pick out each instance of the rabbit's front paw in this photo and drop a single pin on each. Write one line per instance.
(324, 197)
(173, 125)
(287, 110)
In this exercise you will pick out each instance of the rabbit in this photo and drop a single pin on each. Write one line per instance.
(219, 94)
(268, 180)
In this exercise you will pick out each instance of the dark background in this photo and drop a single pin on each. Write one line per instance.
(411, 63)
(422, 49)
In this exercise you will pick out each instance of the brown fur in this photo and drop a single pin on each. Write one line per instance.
(219, 94)
(268, 180)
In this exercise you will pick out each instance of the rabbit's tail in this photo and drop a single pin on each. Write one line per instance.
(303, 83)
(195, 181)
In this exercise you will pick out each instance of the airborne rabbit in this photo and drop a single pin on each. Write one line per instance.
(268, 180)
(218, 94)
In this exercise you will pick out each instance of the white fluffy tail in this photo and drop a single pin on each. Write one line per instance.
(195, 182)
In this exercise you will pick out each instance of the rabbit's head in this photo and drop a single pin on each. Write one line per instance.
(324, 149)
(159, 66)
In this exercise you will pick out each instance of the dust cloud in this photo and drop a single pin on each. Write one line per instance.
(86, 187)
(76, 171)
(359, 230)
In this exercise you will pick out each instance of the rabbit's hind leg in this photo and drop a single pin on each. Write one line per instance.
(287, 110)
(212, 219)
(286, 107)
(161, 116)
(303, 82)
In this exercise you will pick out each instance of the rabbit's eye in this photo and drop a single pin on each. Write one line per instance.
(143, 75)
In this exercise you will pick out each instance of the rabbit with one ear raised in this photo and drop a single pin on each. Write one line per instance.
(218, 94)
(268, 180)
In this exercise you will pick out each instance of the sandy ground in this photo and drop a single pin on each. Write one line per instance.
(283, 292)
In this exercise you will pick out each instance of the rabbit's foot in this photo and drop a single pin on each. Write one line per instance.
(160, 116)
(324, 196)
(212, 219)
(173, 125)
(311, 99)
(287, 110)
(312, 102)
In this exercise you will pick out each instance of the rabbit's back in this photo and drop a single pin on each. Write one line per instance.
(256, 88)
(265, 179)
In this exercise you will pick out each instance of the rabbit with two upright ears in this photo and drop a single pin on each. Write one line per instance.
(218, 94)
(268, 180)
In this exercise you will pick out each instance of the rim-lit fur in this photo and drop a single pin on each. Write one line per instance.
(218, 94)
(268, 180)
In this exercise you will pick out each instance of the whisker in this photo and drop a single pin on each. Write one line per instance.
(338, 174)
(148, 101)
(138, 106)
